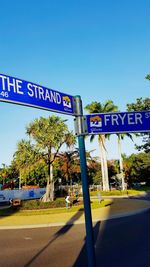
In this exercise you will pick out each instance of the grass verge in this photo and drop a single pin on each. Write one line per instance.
(19, 212)
(118, 192)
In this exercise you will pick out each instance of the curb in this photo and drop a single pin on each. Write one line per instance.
(116, 216)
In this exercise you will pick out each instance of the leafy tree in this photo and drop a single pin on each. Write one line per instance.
(13, 172)
(148, 77)
(94, 171)
(97, 177)
(76, 171)
(49, 135)
(142, 104)
(67, 160)
(97, 107)
(138, 167)
(24, 159)
(4, 173)
(113, 168)
(37, 174)
(93, 168)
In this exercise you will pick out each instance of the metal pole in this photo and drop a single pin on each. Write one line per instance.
(85, 188)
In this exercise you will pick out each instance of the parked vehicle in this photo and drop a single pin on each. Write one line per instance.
(4, 201)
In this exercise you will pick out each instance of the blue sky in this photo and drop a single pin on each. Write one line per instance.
(93, 48)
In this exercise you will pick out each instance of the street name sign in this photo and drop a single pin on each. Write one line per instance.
(118, 122)
(17, 91)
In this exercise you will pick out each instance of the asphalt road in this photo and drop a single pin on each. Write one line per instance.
(120, 242)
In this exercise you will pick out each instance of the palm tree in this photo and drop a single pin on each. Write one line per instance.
(49, 134)
(4, 172)
(24, 158)
(97, 107)
(67, 159)
(121, 137)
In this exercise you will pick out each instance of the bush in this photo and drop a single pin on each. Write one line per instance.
(38, 204)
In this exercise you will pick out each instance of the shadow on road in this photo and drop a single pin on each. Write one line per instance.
(98, 231)
(116, 242)
(111, 241)
(69, 224)
(82, 258)
(8, 211)
(145, 196)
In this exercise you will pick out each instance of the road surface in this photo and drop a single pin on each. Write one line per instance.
(123, 242)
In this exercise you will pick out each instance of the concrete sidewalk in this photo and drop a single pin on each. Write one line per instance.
(119, 208)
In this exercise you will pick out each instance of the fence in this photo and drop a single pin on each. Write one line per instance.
(23, 194)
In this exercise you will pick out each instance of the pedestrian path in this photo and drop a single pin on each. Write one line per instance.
(119, 208)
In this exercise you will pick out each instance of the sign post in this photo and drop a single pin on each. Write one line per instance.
(85, 187)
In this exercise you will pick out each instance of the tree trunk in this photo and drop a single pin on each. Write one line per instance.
(49, 195)
(19, 179)
(46, 197)
(121, 164)
(104, 168)
(106, 171)
(51, 183)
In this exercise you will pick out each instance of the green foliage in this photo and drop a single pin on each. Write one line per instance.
(97, 177)
(37, 204)
(97, 107)
(68, 164)
(108, 193)
(24, 158)
(53, 210)
(113, 167)
(48, 133)
(139, 167)
(94, 169)
(4, 172)
(36, 157)
(148, 77)
(37, 175)
(32, 159)
(118, 192)
(142, 104)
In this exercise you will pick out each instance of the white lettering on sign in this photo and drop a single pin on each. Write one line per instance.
(147, 115)
(14, 85)
(44, 94)
(114, 119)
(138, 117)
(131, 120)
(3, 82)
(28, 93)
(122, 119)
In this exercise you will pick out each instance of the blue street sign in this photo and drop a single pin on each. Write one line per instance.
(118, 122)
(18, 91)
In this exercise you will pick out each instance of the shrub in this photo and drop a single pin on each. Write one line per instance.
(37, 204)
